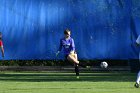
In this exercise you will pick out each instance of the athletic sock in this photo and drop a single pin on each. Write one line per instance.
(77, 69)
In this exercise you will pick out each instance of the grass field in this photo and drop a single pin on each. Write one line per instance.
(55, 82)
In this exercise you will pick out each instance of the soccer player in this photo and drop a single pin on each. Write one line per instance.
(138, 76)
(1, 45)
(67, 43)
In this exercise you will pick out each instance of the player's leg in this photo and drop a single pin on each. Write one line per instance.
(75, 55)
(76, 65)
(138, 80)
(76, 70)
(73, 59)
(80, 64)
(138, 76)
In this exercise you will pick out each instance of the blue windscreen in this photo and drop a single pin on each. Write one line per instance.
(102, 29)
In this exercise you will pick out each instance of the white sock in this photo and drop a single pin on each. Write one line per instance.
(138, 78)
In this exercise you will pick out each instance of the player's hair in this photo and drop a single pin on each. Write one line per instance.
(66, 31)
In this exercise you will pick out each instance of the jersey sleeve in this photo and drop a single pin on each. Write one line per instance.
(72, 45)
(138, 40)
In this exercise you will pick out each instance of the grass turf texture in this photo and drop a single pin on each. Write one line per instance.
(55, 82)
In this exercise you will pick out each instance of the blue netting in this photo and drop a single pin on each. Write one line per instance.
(102, 29)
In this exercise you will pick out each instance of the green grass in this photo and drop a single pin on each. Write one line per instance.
(55, 82)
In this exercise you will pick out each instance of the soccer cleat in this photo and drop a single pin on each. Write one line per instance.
(136, 85)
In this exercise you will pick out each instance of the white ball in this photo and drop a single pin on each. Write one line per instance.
(104, 64)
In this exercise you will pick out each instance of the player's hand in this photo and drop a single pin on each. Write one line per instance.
(57, 53)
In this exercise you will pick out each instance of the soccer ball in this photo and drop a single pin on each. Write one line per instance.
(104, 64)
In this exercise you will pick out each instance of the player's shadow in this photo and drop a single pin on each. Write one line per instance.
(69, 77)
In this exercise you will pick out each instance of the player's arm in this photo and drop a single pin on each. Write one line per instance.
(72, 47)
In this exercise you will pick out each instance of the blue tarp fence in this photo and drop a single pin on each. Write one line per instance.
(102, 29)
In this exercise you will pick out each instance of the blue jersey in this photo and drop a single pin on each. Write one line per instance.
(67, 45)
